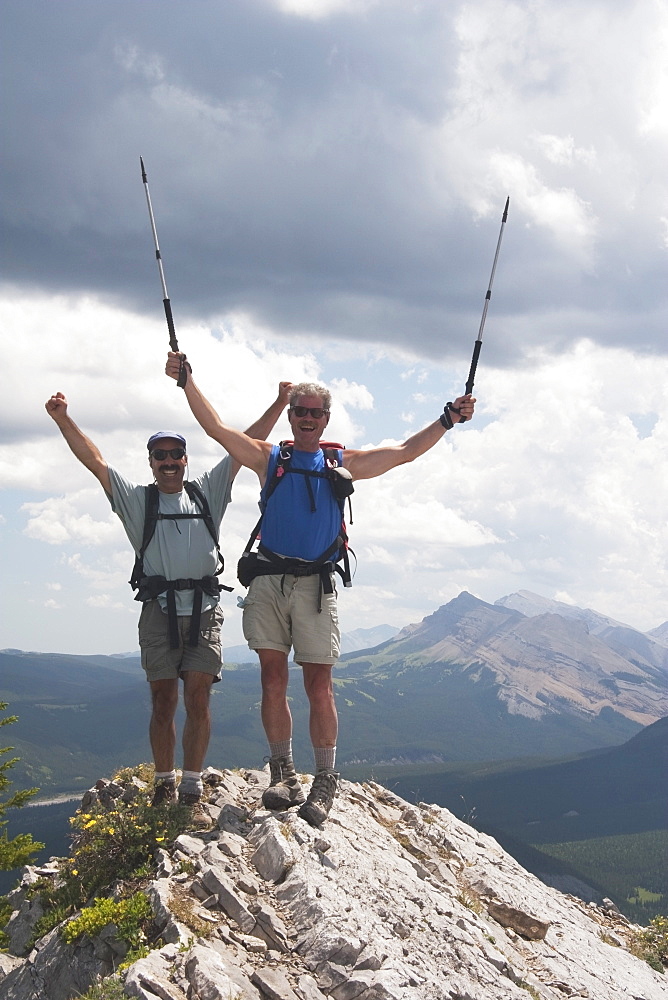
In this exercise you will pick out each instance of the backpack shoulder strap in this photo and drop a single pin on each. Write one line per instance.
(275, 473)
(150, 515)
(151, 503)
(275, 470)
(197, 497)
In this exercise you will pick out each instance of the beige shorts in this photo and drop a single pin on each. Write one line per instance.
(281, 612)
(162, 663)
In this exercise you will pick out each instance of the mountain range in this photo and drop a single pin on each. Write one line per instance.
(357, 638)
(472, 681)
(540, 722)
(540, 664)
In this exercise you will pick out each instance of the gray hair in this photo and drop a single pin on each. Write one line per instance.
(311, 389)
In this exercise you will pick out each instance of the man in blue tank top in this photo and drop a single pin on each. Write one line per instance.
(286, 606)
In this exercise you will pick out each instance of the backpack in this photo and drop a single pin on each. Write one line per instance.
(250, 565)
(149, 587)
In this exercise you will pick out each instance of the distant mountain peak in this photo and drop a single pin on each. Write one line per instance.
(541, 658)
(530, 604)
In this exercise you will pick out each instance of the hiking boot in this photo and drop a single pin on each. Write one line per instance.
(285, 788)
(316, 808)
(164, 794)
(199, 817)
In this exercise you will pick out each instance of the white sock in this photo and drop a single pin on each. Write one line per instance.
(160, 777)
(191, 782)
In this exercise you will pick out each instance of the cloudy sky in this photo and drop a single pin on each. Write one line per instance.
(328, 179)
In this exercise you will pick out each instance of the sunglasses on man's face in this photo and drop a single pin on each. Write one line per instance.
(160, 454)
(302, 411)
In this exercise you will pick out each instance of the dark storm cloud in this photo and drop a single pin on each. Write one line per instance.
(291, 171)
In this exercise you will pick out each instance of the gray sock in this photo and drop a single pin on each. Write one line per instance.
(325, 758)
(281, 749)
(191, 783)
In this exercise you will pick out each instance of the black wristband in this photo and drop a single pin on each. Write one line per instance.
(185, 369)
(446, 419)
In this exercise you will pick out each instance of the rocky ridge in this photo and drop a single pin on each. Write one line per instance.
(388, 901)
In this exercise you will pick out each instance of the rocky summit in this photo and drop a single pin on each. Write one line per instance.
(387, 901)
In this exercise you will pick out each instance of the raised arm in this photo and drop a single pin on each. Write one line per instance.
(375, 461)
(80, 445)
(263, 427)
(245, 450)
(266, 423)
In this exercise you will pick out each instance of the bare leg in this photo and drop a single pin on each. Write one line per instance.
(284, 789)
(276, 717)
(323, 719)
(162, 731)
(323, 724)
(197, 728)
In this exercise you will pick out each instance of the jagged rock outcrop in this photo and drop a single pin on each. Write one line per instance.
(388, 901)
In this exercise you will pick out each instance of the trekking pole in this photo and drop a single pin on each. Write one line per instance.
(173, 343)
(478, 342)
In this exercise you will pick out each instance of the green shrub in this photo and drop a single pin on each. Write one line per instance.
(651, 943)
(111, 847)
(107, 989)
(131, 917)
(19, 850)
(119, 843)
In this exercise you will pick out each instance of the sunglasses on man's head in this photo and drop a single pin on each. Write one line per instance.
(302, 411)
(160, 454)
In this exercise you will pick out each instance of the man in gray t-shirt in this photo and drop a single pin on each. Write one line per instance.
(178, 588)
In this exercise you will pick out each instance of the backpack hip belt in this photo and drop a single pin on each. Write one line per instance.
(150, 588)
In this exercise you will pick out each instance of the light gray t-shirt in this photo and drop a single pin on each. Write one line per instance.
(181, 548)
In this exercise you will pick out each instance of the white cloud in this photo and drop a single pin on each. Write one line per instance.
(63, 520)
(562, 211)
(317, 9)
(553, 487)
(105, 601)
(352, 394)
(326, 215)
(563, 151)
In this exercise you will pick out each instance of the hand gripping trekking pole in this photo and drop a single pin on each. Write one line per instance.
(173, 343)
(478, 342)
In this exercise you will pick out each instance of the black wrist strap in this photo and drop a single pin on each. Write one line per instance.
(455, 409)
(185, 369)
(445, 417)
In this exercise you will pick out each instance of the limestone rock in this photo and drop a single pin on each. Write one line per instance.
(273, 855)
(522, 923)
(389, 901)
(274, 984)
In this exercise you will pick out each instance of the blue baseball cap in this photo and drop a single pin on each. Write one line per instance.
(159, 435)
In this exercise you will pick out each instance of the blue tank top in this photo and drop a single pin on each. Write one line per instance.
(290, 527)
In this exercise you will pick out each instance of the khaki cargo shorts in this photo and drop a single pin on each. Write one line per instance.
(162, 663)
(281, 612)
